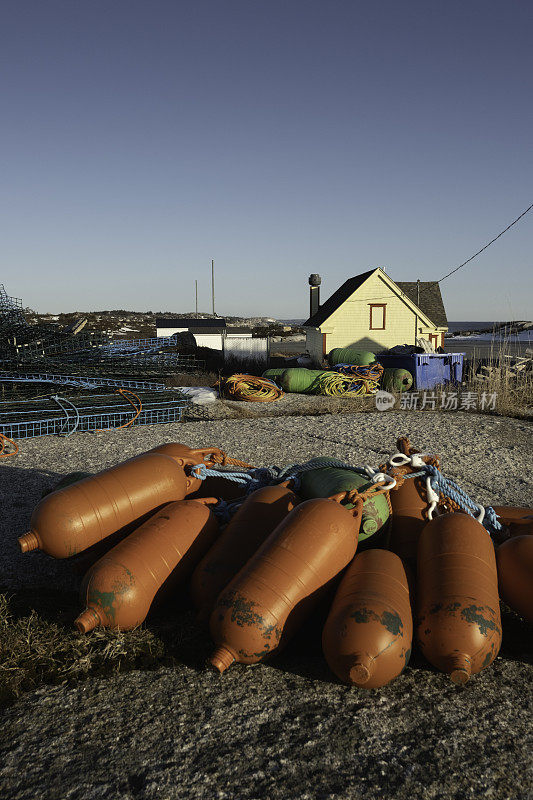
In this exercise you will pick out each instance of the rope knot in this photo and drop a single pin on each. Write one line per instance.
(199, 471)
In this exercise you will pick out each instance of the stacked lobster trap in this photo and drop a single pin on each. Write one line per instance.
(409, 556)
(56, 380)
(49, 349)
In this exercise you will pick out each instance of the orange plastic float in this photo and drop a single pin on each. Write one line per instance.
(409, 516)
(409, 501)
(120, 588)
(72, 519)
(368, 634)
(515, 574)
(459, 626)
(254, 521)
(518, 519)
(277, 588)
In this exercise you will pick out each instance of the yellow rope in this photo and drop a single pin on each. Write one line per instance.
(249, 388)
(336, 384)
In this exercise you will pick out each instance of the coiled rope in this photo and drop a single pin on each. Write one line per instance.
(348, 379)
(249, 388)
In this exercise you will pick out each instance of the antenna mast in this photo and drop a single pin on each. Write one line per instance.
(213, 284)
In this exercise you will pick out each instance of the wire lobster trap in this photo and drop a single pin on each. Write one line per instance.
(64, 415)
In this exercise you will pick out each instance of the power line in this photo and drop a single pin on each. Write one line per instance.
(487, 245)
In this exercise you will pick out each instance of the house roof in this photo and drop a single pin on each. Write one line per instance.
(238, 329)
(430, 299)
(337, 299)
(190, 322)
(211, 331)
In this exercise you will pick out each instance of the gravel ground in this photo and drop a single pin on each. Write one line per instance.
(284, 729)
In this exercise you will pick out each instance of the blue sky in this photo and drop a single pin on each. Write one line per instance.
(139, 140)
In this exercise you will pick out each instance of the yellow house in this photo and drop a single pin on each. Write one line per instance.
(372, 312)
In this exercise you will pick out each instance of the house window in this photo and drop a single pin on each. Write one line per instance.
(377, 316)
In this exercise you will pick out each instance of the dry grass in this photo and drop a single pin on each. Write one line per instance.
(43, 647)
(513, 391)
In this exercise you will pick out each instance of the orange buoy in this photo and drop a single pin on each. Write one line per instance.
(459, 626)
(281, 583)
(409, 515)
(72, 519)
(82, 562)
(368, 633)
(518, 519)
(187, 457)
(509, 514)
(515, 574)
(120, 588)
(253, 522)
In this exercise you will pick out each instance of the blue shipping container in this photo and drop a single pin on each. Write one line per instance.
(428, 369)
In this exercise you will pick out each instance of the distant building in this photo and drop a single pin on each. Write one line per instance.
(372, 312)
(209, 332)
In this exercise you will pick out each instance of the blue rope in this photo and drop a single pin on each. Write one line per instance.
(202, 472)
(67, 420)
(450, 489)
(224, 511)
(259, 477)
(294, 471)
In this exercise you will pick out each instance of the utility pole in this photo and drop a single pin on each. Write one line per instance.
(418, 292)
(196, 293)
(213, 284)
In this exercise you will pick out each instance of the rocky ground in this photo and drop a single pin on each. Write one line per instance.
(284, 729)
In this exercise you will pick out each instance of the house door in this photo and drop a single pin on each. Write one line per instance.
(434, 339)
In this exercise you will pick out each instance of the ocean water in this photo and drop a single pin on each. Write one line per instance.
(471, 326)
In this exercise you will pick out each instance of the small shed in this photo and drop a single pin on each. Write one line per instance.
(372, 312)
(207, 332)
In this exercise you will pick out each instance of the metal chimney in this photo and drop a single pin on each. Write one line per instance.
(314, 293)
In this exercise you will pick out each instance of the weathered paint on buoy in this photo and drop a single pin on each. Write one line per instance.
(368, 634)
(278, 587)
(253, 522)
(458, 613)
(119, 589)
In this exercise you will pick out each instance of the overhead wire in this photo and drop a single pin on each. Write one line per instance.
(487, 245)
